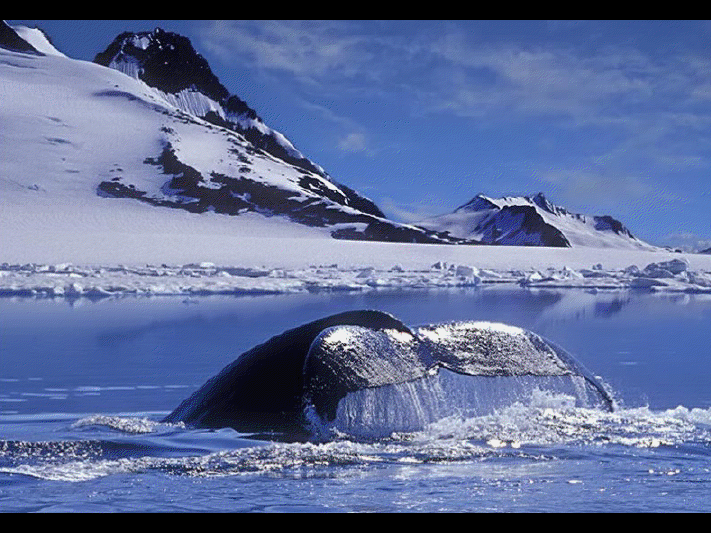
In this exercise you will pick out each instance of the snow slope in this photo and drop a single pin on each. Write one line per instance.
(168, 63)
(532, 221)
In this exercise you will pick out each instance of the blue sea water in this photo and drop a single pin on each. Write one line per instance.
(84, 385)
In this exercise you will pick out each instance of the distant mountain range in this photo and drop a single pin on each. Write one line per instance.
(531, 221)
(150, 122)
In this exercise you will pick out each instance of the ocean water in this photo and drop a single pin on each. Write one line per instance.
(84, 385)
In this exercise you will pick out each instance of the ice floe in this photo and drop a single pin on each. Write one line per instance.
(207, 278)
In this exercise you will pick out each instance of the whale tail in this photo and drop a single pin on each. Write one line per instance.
(346, 359)
(313, 367)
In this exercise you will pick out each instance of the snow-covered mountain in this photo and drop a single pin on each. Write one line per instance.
(168, 62)
(532, 221)
(149, 123)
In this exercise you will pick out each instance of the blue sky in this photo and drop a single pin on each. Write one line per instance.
(610, 117)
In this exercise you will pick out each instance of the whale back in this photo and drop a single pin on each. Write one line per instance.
(491, 349)
(495, 349)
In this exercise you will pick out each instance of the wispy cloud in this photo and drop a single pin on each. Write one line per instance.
(648, 117)
(410, 212)
(327, 114)
(310, 51)
(595, 187)
(537, 81)
(657, 103)
(464, 76)
(686, 241)
(355, 142)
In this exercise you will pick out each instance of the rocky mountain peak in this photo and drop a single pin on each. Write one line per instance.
(164, 60)
(168, 62)
(10, 40)
(531, 221)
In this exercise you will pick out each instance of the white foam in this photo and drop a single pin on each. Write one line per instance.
(415, 405)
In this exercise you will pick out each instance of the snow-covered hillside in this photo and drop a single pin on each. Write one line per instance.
(532, 221)
(169, 63)
(81, 141)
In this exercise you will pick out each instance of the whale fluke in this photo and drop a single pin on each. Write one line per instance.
(314, 366)
(346, 359)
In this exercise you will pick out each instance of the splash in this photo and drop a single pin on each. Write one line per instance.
(530, 432)
(125, 424)
(412, 406)
(552, 419)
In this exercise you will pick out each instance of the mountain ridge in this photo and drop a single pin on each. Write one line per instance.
(531, 221)
(11, 40)
(168, 62)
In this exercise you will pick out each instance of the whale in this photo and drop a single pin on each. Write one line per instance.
(272, 387)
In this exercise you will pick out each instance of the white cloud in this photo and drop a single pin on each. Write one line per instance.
(541, 80)
(354, 142)
(328, 114)
(597, 188)
(446, 68)
(310, 51)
